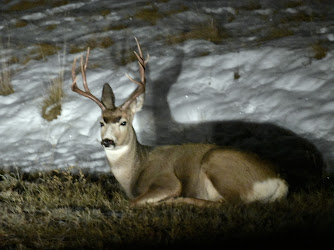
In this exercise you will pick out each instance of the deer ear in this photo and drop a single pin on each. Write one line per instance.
(137, 104)
(108, 97)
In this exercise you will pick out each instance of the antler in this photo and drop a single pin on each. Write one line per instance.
(87, 92)
(141, 85)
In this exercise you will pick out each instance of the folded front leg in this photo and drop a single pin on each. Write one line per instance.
(163, 188)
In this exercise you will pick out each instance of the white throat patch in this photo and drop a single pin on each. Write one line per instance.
(115, 153)
(121, 165)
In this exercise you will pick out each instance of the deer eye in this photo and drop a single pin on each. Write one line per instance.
(101, 124)
(123, 123)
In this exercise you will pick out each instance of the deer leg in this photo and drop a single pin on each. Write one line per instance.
(164, 188)
(192, 201)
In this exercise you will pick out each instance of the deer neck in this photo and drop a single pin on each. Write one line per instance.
(126, 163)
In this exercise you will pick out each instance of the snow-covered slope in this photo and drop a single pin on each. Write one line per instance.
(250, 75)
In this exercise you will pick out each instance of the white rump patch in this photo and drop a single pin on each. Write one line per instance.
(267, 191)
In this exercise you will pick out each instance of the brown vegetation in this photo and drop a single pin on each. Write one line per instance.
(69, 209)
(51, 105)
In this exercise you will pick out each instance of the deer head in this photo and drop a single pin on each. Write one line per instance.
(116, 122)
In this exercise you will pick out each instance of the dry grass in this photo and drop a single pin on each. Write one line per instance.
(210, 31)
(117, 27)
(51, 105)
(44, 50)
(275, 33)
(294, 4)
(24, 5)
(300, 16)
(319, 50)
(150, 15)
(41, 52)
(27, 5)
(21, 23)
(64, 209)
(250, 6)
(236, 75)
(6, 87)
(279, 32)
(103, 43)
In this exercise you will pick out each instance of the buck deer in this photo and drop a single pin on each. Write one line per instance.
(192, 173)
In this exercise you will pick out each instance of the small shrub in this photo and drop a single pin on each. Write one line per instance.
(236, 75)
(51, 27)
(51, 105)
(127, 56)
(294, 4)
(13, 60)
(253, 5)
(210, 31)
(319, 51)
(117, 27)
(298, 17)
(59, 3)
(181, 8)
(27, 5)
(105, 12)
(6, 87)
(76, 49)
(105, 42)
(21, 23)
(276, 33)
(151, 15)
(43, 50)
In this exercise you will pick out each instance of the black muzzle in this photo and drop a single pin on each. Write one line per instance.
(107, 143)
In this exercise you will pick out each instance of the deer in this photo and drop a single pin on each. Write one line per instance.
(193, 173)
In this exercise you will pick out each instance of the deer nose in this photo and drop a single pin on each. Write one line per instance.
(107, 143)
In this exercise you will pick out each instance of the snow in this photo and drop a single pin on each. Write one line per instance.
(188, 83)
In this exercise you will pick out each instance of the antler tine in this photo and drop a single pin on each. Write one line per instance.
(141, 85)
(75, 88)
(83, 70)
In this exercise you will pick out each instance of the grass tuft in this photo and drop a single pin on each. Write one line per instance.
(279, 32)
(43, 50)
(300, 17)
(51, 105)
(151, 15)
(319, 50)
(6, 87)
(21, 23)
(51, 27)
(210, 31)
(275, 33)
(252, 5)
(294, 4)
(103, 43)
(27, 5)
(236, 75)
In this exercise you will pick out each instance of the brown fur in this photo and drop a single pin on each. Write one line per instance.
(193, 173)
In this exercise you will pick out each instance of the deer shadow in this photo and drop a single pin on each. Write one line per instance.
(295, 158)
